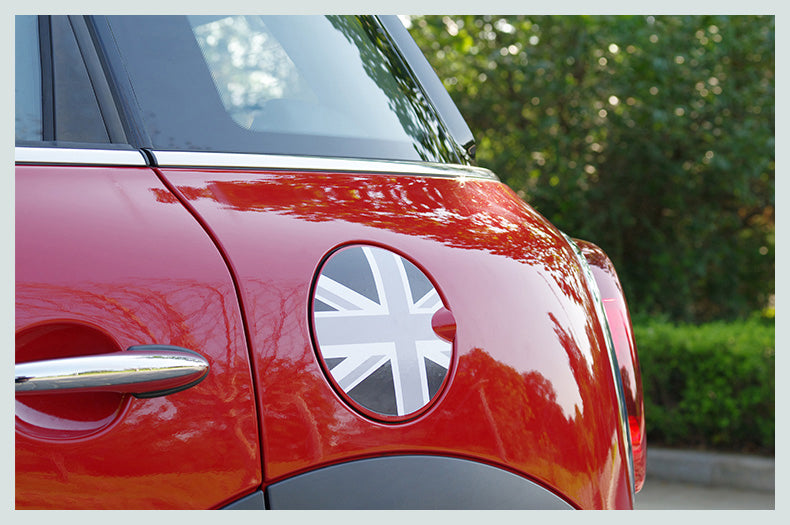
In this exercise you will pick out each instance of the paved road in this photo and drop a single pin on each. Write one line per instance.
(661, 494)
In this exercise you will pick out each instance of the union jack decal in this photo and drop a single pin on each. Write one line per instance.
(372, 312)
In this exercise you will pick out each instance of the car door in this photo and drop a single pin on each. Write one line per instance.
(110, 265)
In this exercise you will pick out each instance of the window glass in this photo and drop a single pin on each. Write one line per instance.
(77, 114)
(249, 67)
(263, 90)
(27, 84)
(312, 85)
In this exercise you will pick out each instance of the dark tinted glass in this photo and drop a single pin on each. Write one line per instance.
(77, 114)
(304, 85)
(27, 85)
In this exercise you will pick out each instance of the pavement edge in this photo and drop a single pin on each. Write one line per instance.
(713, 469)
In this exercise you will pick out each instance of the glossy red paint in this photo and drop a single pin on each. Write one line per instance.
(623, 337)
(103, 263)
(443, 323)
(531, 388)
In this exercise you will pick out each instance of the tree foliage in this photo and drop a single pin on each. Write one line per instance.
(652, 137)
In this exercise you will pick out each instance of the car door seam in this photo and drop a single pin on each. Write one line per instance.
(237, 288)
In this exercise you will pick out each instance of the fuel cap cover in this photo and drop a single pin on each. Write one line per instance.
(382, 332)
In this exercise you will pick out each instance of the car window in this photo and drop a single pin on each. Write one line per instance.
(27, 89)
(263, 89)
(56, 98)
(250, 68)
(309, 85)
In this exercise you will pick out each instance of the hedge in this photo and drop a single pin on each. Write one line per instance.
(709, 386)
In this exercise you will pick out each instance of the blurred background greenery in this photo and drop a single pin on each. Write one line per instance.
(653, 137)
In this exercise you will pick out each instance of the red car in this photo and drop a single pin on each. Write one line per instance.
(256, 267)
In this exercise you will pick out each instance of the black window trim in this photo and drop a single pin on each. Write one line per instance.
(119, 83)
(101, 87)
(431, 84)
(47, 80)
(112, 118)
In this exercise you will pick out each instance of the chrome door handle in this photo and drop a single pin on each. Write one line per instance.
(144, 371)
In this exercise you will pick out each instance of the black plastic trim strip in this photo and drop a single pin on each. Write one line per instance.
(47, 79)
(96, 74)
(118, 81)
(431, 84)
(411, 482)
(254, 501)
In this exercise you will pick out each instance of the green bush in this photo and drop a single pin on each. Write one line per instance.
(709, 386)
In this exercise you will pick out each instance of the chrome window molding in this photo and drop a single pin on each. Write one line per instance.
(79, 156)
(203, 159)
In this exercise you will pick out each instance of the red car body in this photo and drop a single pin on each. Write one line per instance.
(122, 248)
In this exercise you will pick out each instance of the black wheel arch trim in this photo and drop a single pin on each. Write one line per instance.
(411, 482)
(254, 501)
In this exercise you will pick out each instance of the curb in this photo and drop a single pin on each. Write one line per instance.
(713, 469)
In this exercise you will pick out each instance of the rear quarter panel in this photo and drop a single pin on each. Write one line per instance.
(531, 388)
